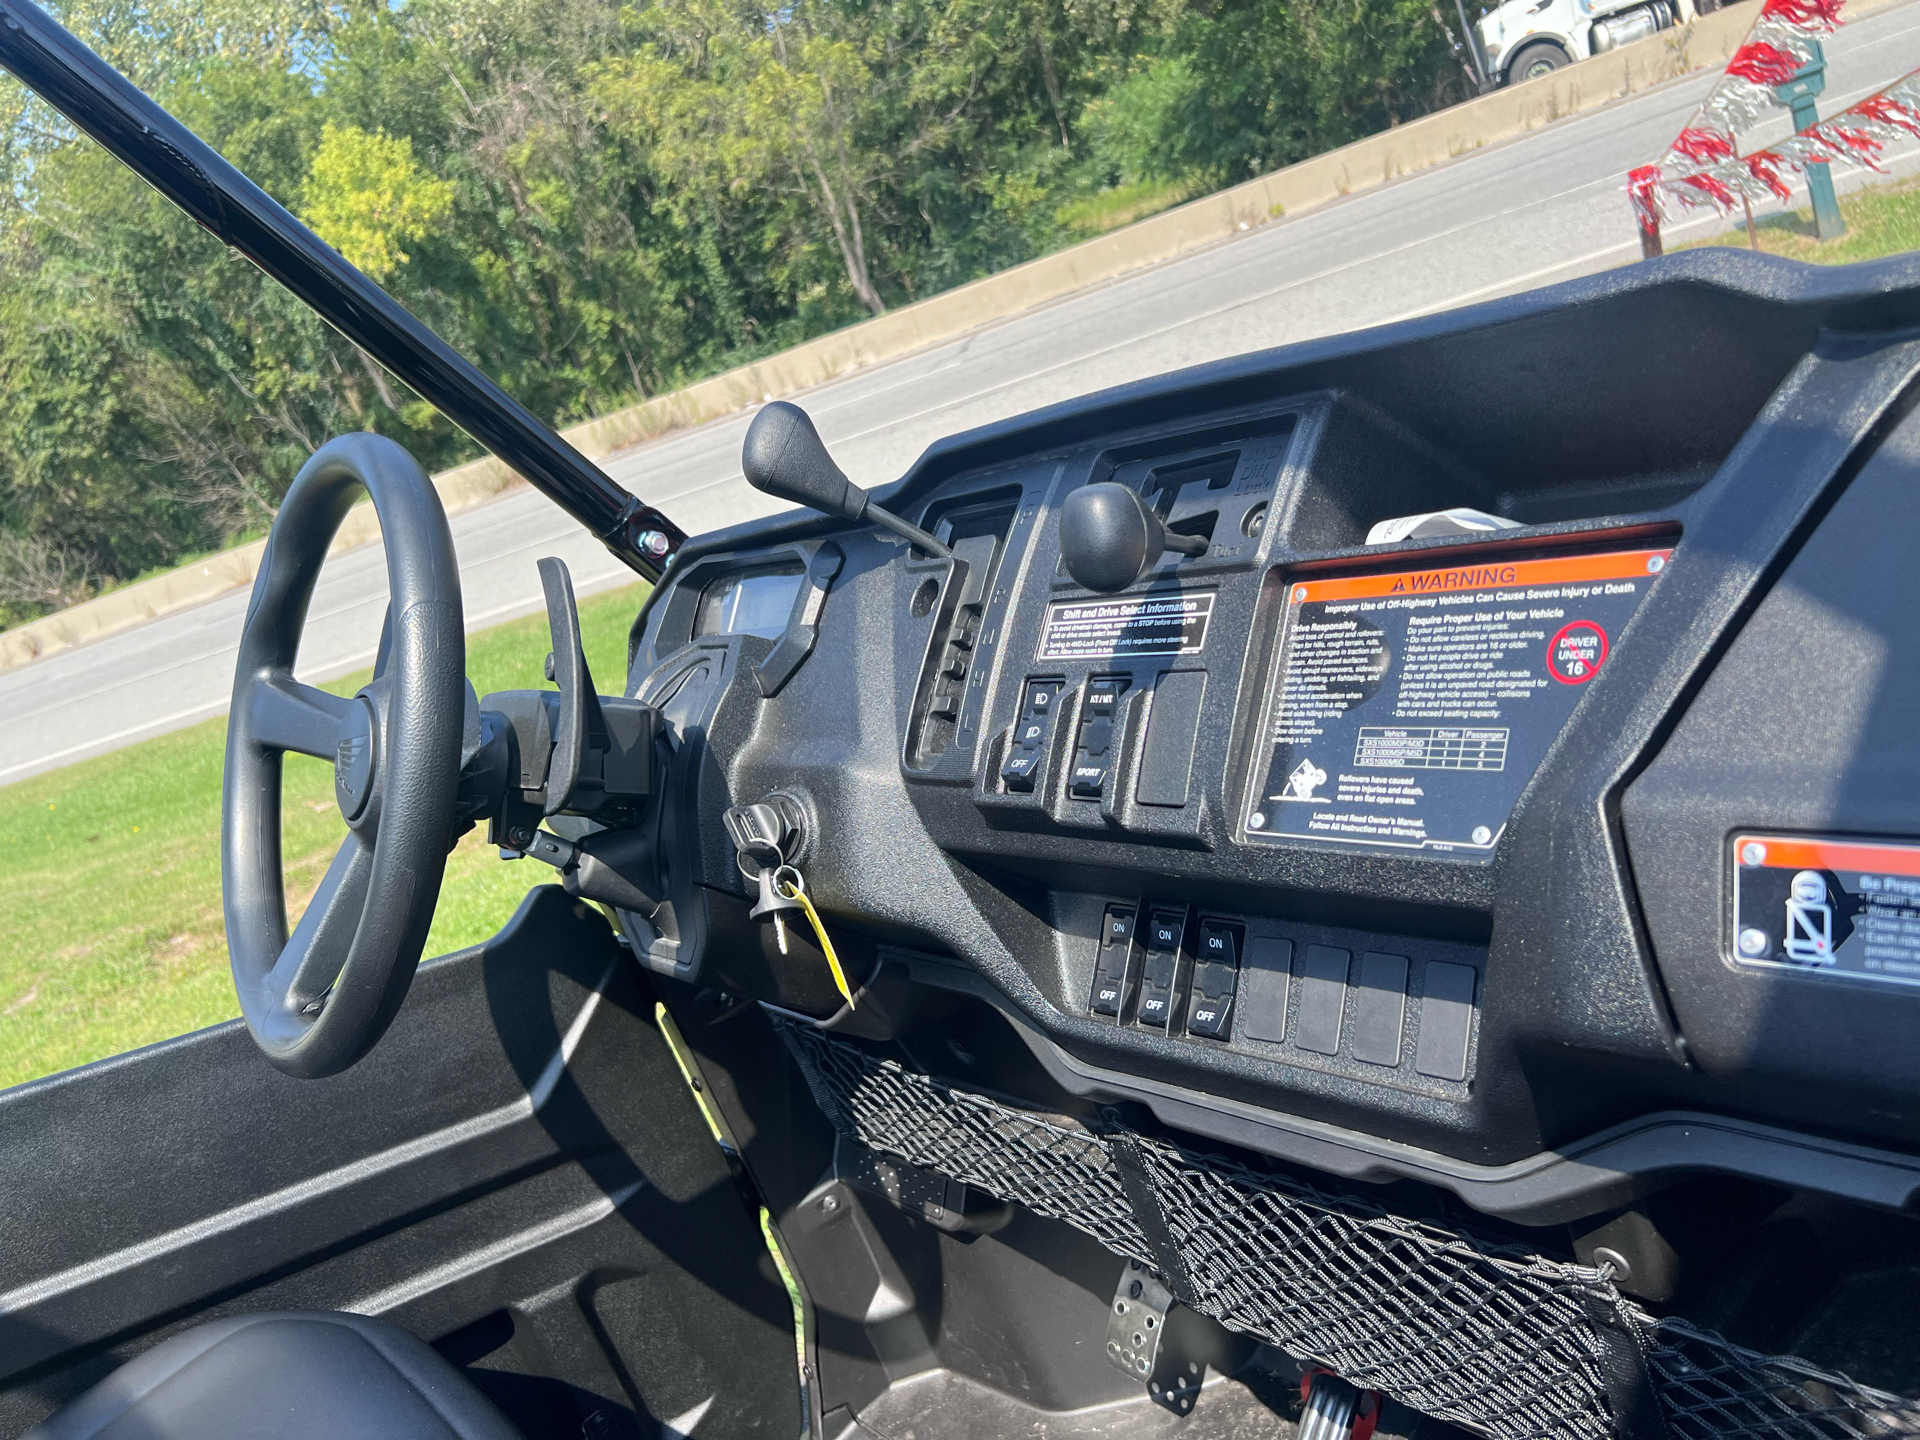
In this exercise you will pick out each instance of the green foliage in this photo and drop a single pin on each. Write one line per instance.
(593, 200)
(365, 196)
(1881, 220)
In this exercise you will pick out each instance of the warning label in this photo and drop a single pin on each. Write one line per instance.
(1173, 624)
(1409, 710)
(1827, 907)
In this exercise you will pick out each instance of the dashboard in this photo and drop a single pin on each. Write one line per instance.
(1542, 863)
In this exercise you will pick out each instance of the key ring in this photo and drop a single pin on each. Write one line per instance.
(740, 857)
(789, 889)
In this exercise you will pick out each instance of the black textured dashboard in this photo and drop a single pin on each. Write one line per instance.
(1409, 859)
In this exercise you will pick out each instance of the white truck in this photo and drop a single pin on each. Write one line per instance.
(1525, 39)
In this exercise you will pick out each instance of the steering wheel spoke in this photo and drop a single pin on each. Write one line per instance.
(307, 968)
(283, 714)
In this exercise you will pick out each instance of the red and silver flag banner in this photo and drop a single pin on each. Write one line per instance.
(1700, 166)
(1859, 134)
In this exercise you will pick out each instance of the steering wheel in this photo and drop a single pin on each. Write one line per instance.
(317, 1000)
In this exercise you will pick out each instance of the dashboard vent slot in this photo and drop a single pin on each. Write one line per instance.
(1489, 1335)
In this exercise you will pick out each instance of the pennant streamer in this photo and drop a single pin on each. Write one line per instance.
(1703, 165)
(1859, 135)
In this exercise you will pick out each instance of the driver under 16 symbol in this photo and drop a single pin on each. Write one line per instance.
(1576, 652)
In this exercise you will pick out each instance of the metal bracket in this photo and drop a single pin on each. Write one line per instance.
(1173, 1367)
(1137, 1321)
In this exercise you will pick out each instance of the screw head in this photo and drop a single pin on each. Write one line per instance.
(829, 1203)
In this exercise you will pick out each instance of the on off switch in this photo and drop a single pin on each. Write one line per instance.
(1030, 734)
(1110, 965)
(1216, 975)
(1164, 931)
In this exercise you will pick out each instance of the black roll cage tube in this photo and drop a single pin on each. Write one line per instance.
(98, 100)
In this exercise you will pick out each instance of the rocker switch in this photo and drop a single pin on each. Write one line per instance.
(1110, 965)
(1030, 735)
(1164, 930)
(1093, 754)
(1216, 975)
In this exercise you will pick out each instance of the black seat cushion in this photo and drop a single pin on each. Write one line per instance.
(288, 1375)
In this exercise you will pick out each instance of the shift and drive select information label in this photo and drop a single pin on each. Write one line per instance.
(1409, 710)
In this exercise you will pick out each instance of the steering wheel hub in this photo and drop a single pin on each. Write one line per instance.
(354, 760)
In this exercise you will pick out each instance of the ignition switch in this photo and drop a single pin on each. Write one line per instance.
(772, 831)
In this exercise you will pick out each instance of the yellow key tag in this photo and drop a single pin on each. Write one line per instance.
(793, 886)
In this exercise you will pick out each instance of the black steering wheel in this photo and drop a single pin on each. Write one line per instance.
(317, 1000)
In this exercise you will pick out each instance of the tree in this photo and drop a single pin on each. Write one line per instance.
(590, 198)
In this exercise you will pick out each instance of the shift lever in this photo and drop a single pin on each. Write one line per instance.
(785, 457)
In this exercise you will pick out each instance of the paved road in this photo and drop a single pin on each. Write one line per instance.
(1541, 209)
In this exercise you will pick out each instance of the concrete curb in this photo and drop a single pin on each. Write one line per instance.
(1377, 160)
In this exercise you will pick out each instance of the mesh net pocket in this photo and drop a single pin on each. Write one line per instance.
(1709, 1389)
(1047, 1163)
(1500, 1339)
(1503, 1341)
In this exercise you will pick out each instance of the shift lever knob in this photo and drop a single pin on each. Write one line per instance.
(1109, 537)
(785, 457)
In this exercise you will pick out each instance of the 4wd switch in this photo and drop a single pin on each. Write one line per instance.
(1216, 975)
(1093, 754)
(1030, 734)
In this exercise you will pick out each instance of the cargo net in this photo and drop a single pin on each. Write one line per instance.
(1047, 1163)
(1492, 1337)
(1709, 1388)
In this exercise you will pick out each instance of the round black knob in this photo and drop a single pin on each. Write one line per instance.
(1108, 537)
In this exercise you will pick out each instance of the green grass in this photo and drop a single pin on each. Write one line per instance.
(1124, 204)
(110, 870)
(1882, 220)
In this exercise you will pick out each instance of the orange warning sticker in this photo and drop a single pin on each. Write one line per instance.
(1408, 710)
(1506, 580)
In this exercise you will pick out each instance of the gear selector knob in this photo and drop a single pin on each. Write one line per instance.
(785, 457)
(1109, 537)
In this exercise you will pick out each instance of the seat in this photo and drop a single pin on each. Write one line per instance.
(284, 1375)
